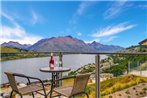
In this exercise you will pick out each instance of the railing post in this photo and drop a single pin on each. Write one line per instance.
(60, 65)
(60, 59)
(97, 75)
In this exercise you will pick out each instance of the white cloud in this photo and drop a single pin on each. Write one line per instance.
(35, 17)
(83, 6)
(80, 10)
(104, 39)
(6, 16)
(12, 32)
(79, 33)
(10, 18)
(109, 39)
(16, 33)
(112, 30)
(74, 19)
(90, 41)
(143, 6)
(108, 34)
(114, 10)
(19, 35)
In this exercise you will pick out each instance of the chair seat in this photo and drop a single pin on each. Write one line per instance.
(44, 83)
(47, 83)
(64, 90)
(29, 89)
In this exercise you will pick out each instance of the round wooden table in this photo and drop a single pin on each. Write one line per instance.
(56, 69)
(55, 73)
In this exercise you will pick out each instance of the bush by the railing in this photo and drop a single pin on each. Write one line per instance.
(116, 70)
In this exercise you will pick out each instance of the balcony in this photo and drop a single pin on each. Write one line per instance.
(113, 75)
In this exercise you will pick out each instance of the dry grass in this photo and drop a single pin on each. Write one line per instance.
(120, 83)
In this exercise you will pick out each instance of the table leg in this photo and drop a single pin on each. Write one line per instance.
(58, 82)
(57, 77)
(53, 84)
(53, 79)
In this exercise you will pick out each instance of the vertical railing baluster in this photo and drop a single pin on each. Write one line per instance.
(139, 65)
(129, 69)
(97, 75)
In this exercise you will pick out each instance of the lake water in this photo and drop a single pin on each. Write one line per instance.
(31, 66)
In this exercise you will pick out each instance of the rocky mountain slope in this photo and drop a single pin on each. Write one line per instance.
(64, 43)
(70, 44)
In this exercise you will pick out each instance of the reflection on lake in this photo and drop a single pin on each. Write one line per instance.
(31, 66)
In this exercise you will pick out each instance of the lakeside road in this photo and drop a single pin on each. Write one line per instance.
(139, 73)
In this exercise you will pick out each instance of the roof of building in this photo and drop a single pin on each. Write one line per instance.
(145, 40)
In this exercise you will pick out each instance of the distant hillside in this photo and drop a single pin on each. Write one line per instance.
(100, 47)
(9, 50)
(70, 44)
(12, 44)
(15, 53)
(141, 47)
(137, 48)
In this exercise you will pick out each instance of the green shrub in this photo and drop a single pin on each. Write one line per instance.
(110, 97)
(127, 92)
(142, 92)
(144, 89)
(143, 84)
(119, 94)
(134, 88)
(129, 97)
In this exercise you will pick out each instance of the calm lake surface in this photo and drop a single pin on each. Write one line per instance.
(31, 66)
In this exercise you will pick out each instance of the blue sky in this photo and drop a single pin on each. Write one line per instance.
(121, 23)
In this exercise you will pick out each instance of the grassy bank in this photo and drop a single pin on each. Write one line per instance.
(111, 85)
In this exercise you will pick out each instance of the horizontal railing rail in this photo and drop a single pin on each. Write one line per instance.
(101, 53)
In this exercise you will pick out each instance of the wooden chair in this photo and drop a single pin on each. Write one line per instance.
(30, 88)
(79, 86)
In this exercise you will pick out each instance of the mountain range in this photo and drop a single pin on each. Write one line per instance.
(64, 43)
(12, 44)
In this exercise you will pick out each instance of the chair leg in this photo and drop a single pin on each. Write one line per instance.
(87, 95)
(20, 95)
(11, 94)
(33, 95)
(45, 94)
(51, 95)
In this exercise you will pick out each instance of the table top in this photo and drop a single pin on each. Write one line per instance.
(56, 69)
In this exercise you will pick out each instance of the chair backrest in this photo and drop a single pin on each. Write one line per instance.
(12, 81)
(80, 83)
